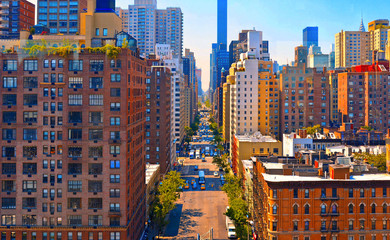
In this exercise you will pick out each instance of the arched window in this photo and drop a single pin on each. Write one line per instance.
(307, 209)
(350, 208)
(274, 209)
(373, 208)
(384, 208)
(323, 208)
(361, 206)
(295, 209)
(334, 208)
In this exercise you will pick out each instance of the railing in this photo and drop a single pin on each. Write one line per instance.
(330, 198)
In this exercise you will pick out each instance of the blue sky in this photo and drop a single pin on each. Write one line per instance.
(281, 21)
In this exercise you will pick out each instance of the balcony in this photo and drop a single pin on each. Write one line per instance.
(330, 214)
(325, 198)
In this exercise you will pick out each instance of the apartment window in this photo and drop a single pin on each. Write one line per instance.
(384, 224)
(30, 82)
(115, 77)
(29, 134)
(307, 209)
(30, 151)
(373, 225)
(30, 65)
(95, 117)
(95, 186)
(96, 65)
(95, 168)
(115, 235)
(115, 192)
(75, 100)
(115, 164)
(96, 100)
(373, 192)
(115, 106)
(8, 186)
(95, 220)
(8, 203)
(96, 83)
(9, 117)
(114, 207)
(373, 208)
(361, 207)
(75, 186)
(97, 31)
(115, 121)
(115, 92)
(74, 203)
(10, 82)
(75, 134)
(74, 220)
(384, 208)
(350, 208)
(30, 99)
(115, 178)
(362, 192)
(350, 224)
(295, 225)
(295, 193)
(29, 168)
(104, 31)
(361, 224)
(9, 99)
(46, 63)
(384, 192)
(10, 65)
(29, 186)
(75, 169)
(75, 65)
(95, 134)
(116, 150)
(75, 82)
(307, 224)
(8, 168)
(350, 193)
(9, 134)
(75, 117)
(95, 152)
(9, 152)
(306, 193)
(323, 208)
(7, 220)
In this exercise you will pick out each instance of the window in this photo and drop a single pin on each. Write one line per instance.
(95, 134)
(75, 134)
(350, 193)
(115, 150)
(295, 193)
(9, 134)
(8, 203)
(74, 203)
(95, 168)
(115, 235)
(95, 117)
(115, 121)
(75, 82)
(75, 152)
(95, 220)
(9, 152)
(30, 117)
(361, 207)
(115, 77)
(29, 134)
(9, 99)
(9, 117)
(75, 100)
(74, 186)
(323, 209)
(97, 31)
(29, 186)
(29, 168)
(384, 208)
(307, 209)
(95, 186)
(361, 224)
(10, 82)
(96, 100)
(75, 65)
(8, 186)
(115, 193)
(350, 208)
(30, 82)
(96, 65)
(10, 65)
(30, 65)
(104, 31)
(95, 152)
(115, 164)
(115, 92)
(306, 193)
(7, 220)
(75, 117)
(115, 106)
(362, 192)
(8, 168)
(295, 225)
(115, 178)
(115, 207)
(96, 82)
(74, 220)
(373, 208)
(307, 225)
(323, 192)
(274, 209)
(384, 192)
(373, 192)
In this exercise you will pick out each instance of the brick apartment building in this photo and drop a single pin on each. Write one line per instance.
(158, 115)
(299, 202)
(14, 17)
(304, 98)
(72, 161)
(363, 96)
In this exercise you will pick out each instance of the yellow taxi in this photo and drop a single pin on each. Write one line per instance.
(193, 181)
(202, 187)
(186, 186)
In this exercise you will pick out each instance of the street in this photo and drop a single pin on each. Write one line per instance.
(199, 210)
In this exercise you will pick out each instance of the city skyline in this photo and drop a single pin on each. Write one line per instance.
(330, 20)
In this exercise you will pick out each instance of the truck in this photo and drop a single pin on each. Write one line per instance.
(192, 154)
(202, 179)
(197, 154)
(231, 229)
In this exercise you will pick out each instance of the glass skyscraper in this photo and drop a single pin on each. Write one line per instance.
(222, 22)
(310, 36)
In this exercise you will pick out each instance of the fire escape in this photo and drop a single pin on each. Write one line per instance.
(331, 214)
(260, 211)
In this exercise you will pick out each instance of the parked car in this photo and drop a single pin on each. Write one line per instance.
(196, 168)
(216, 174)
(202, 187)
(194, 185)
(186, 186)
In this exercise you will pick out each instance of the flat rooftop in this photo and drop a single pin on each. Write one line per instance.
(291, 178)
(151, 169)
(255, 138)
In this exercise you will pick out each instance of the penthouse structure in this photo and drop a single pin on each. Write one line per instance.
(73, 160)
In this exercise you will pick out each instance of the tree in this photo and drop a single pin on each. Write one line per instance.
(221, 161)
(368, 128)
(32, 31)
(199, 105)
(207, 103)
(314, 129)
(167, 194)
(378, 161)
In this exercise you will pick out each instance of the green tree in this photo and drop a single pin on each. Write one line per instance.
(378, 161)
(368, 128)
(199, 105)
(167, 194)
(207, 103)
(221, 161)
(314, 129)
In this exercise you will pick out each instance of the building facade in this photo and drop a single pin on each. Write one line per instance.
(310, 37)
(73, 160)
(14, 17)
(347, 54)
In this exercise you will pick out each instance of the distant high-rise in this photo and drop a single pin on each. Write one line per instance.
(62, 16)
(151, 26)
(347, 54)
(105, 6)
(222, 21)
(310, 36)
(14, 17)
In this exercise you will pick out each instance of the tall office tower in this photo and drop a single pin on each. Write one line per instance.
(362, 94)
(304, 98)
(378, 34)
(61, 16)
(73, 160)
(352, 48)
(158, 115)
(310, 36)
(151, 26)
(198, 74)
(192, 82)
(14, 17)
(300, 55)
(222, 22)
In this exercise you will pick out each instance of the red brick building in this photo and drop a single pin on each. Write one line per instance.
(158, 115)
(16, 16)
(300, 202)
(363, 97)
(305, 98)
(72, 160)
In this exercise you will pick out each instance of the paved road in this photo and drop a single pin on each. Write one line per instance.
(199, 210)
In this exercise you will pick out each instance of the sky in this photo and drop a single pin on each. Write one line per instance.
(281, 22)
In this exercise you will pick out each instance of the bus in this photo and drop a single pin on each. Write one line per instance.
(202, 179)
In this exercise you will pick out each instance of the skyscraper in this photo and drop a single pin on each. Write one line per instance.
(16, 16)
(310, 36)
(222, 22)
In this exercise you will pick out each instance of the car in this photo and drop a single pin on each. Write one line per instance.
(194, 185)
(202, 187)
(196, 168)
(204, 160)
(186, 186)
(193, 181)
(216, 174)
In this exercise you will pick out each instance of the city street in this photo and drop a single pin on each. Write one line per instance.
(199, 210)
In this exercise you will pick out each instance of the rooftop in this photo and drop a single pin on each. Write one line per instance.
(256, 137)
(291, 178)
(151, 169)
